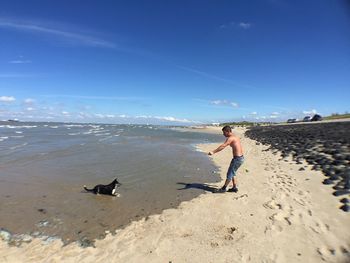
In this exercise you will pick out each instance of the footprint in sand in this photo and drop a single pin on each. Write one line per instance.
(299, 201)
(272, 204)
(273, 228)
(230, 233)
(282, 218)
(319, 227)
(214, 244)
(326, 253)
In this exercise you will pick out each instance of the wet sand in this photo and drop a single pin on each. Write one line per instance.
(59, 206)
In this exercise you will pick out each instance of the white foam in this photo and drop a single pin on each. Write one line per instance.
(74, 125)
(97, 132)
(18, 146)
(98, 127)
(20, 127)
(72, 134)
(103, 139)
(54, 127)
(103, 134)
(3, 138)
(19, 132)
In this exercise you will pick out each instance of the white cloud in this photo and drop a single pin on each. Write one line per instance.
(310, 112)
(275, 113)
(83, 115)
(216, 102)
(146, 117)
(31, 109)
(224, 102)
(166, 118)
(29, 101)
(20, 61)
(74, 37)
(228, 25)
(254, 113)
(244, 25)
(7, 99)
(172, 119)
(98, 115)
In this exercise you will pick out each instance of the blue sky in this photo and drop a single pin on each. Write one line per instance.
(173, 62)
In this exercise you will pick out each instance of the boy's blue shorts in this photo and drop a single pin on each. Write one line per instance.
(234, 165)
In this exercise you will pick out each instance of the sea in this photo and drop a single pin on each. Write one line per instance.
(43, 167)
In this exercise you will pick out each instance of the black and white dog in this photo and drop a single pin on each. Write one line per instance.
(109, 189)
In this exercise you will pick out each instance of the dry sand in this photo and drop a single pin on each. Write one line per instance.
(280, 214)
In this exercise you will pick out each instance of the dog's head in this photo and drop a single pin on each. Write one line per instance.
(116, 182)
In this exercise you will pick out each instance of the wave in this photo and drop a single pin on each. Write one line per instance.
(18, 146)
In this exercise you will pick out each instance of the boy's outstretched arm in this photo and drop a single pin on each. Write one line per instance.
(220, 148)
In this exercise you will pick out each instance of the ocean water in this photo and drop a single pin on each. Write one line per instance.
(43, 167)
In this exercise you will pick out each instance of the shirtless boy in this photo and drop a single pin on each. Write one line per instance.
(237, 159)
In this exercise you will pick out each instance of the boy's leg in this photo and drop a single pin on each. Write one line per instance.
(226, 183)
(229, 175)
(234, 186)
(236, 165)
(223, 188)
(234, 182)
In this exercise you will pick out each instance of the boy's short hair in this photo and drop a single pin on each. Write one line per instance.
(227, 129)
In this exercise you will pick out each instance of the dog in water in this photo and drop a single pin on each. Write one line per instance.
(109, 189)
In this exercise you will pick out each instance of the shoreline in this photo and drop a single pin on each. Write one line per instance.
(280, 214)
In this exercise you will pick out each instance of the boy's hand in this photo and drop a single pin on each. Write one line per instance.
(210, 153)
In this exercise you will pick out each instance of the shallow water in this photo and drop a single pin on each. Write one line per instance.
(43, 167)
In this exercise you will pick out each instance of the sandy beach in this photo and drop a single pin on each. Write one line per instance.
(280, 214)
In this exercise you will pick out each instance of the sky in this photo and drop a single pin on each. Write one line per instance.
(173, 62)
